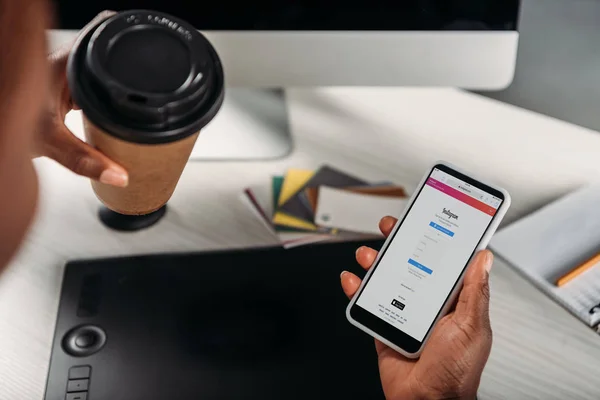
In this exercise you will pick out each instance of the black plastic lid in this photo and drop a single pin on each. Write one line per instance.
(146, 77)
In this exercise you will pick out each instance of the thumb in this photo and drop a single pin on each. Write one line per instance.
(474, 299)
(81, 158)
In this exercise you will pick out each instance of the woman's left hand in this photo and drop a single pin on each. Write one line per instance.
(56, 141)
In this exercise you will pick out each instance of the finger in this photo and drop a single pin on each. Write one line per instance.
(350, 283)
(474, 298)
(83, 159)
(366, 256)
(387, 224)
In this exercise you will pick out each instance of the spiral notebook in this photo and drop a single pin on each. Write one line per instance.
(557, 248)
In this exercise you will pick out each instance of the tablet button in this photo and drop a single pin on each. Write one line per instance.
(76, 396)
(79, 385)
(79, 372)
(84, 340)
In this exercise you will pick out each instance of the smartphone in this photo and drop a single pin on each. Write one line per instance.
(419, 270)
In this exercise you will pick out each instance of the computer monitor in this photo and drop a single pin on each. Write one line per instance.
(470, 44)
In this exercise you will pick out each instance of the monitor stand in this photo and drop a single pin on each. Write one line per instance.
(252, 125)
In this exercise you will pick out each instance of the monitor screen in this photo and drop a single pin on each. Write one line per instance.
(377, 15)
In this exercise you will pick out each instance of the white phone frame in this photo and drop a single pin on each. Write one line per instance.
(487, 236)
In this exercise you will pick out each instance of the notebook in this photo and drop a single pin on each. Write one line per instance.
(557, 248)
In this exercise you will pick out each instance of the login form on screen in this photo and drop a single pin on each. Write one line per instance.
(428, 253)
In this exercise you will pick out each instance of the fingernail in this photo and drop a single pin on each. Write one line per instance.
(489, 261)
(358, 250)
(114, 177)
(343, 273)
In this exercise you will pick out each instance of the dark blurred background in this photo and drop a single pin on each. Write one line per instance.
(312, 14)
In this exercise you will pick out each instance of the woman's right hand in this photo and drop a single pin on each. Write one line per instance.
(453, 359)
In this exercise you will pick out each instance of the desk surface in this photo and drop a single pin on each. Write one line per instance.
(540, 351)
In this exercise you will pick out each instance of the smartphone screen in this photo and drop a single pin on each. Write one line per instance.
(427, 255)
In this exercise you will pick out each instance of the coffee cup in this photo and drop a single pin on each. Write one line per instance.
(147, 83)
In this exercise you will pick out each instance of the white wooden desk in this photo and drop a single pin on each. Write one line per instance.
(540, 351)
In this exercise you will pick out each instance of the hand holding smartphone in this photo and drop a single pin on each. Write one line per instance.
(420, 269)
